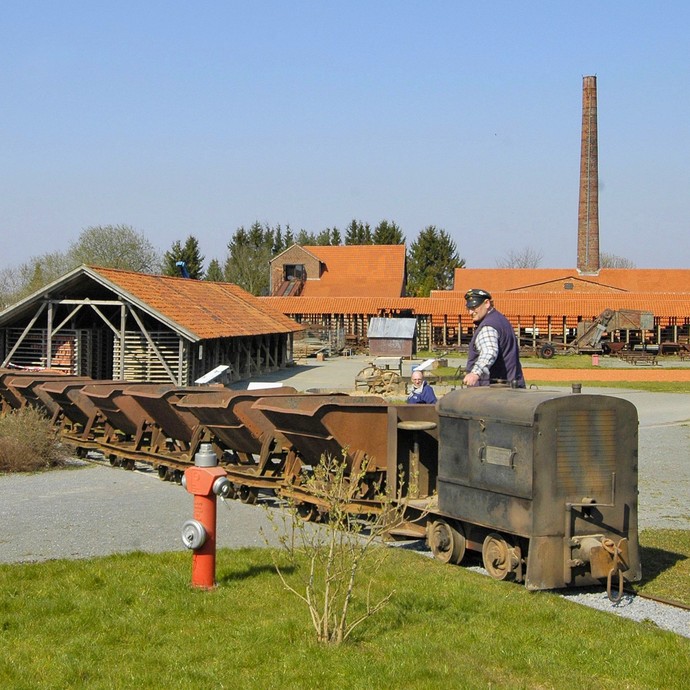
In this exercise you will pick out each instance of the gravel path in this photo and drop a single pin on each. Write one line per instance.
(96, 510)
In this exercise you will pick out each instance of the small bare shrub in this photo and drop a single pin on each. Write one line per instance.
(28, 443)
(337, 552)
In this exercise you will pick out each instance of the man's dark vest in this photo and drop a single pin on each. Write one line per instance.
(507, 365)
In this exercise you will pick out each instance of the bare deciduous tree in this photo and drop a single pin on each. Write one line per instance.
(115, 246)
(521, 258)
(608, 260)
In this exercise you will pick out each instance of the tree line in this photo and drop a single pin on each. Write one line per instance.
(431, 261)
(431, 258)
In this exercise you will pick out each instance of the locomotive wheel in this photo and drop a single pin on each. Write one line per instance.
(499, 557)
(114, 460)
(447, 542)
(162, 472)
(248, 494)
(128, 464)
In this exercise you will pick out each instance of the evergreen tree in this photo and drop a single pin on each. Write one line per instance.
(358, 233)
(214, 272)
(432, 262)
(248, 257)
(305, 238)
(327, 237)
(388, 232)
(278, 244)
(191, 256)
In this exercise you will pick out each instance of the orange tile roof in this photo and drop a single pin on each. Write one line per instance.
(358, 271)
(513, 304)
(642, 280)
(205, 309)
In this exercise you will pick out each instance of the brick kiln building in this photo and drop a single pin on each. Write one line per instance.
(346, 286)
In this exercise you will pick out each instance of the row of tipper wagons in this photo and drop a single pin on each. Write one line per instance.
(542, 483)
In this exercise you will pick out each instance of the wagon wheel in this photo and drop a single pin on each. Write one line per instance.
(547, 351)
(447, 542)
(369, 486)
(248, 494)
(390, 381)
(499, 556)
(232, 492)
(367, 377)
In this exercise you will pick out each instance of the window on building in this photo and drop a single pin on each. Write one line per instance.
(294, 272)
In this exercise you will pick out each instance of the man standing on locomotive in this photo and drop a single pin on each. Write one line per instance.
(494, 354)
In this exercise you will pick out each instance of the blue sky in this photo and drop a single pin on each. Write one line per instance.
(183, 118)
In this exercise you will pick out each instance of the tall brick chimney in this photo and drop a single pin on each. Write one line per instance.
(588, 212)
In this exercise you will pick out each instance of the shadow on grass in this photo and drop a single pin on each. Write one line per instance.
(251, 572)
(656, 561)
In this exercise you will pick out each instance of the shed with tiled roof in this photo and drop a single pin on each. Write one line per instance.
(110, 323)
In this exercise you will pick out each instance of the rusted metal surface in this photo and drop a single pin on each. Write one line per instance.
(127, 424)
(30, 388)
(119, 408)
(412, 467)
(256, 456)
(12, 398)
(230, 417)
(546, 470)
(353, 428)
(412, 464)
(78, 411)
(159, 400)
(543, 484)
(316, 425)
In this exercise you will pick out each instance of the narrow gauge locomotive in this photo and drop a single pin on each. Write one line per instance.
(542, 483)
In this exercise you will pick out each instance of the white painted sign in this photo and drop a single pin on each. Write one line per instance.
(208, 377)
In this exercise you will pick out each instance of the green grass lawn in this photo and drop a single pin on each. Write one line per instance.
(132, 621)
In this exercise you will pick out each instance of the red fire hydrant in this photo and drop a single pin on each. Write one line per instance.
(205, 481)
